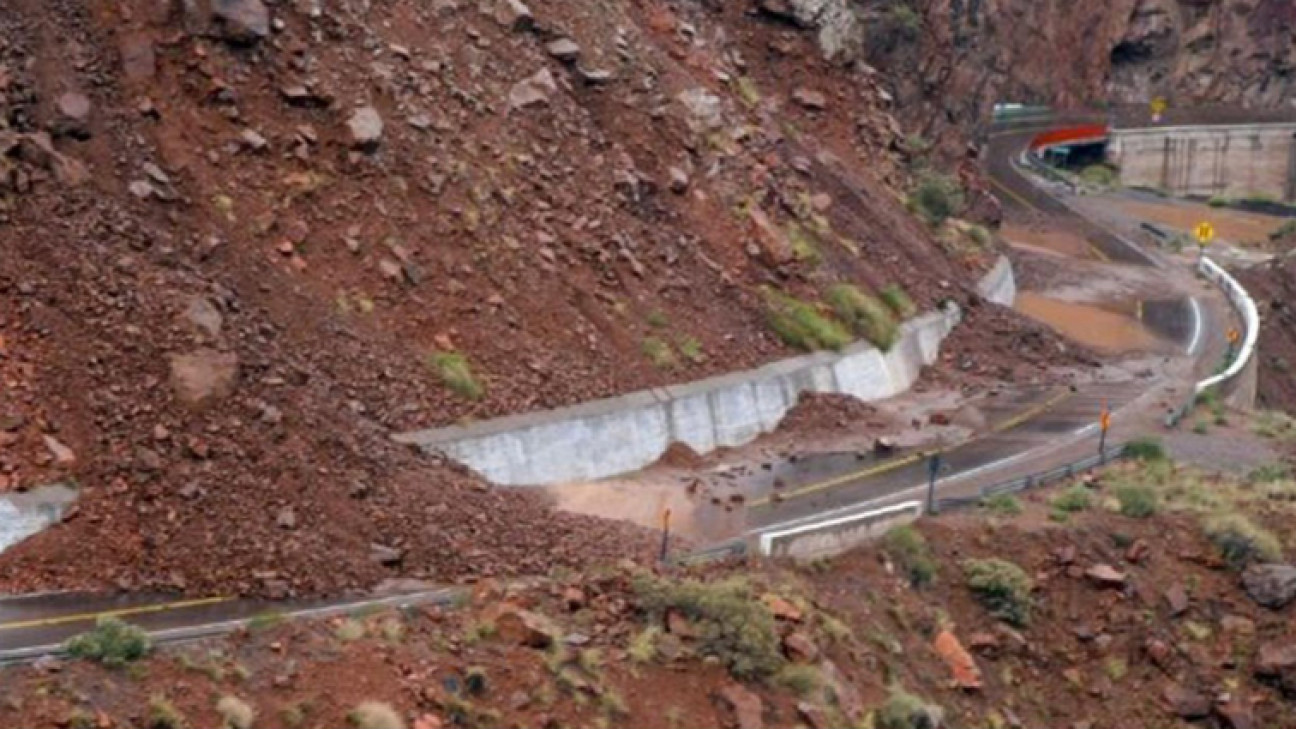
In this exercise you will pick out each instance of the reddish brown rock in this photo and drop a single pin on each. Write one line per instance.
(524, 627)
(747, 706)
(1176, 599)
(1106, 576)
(799, 648)
(782, 609)
(966, 674)
(1186, 703)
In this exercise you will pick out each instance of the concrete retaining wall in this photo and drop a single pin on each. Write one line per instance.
(605, 438)
(999, 286)
(1233, 161)
(834, 536)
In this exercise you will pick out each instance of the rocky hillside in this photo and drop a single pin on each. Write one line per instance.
(1133, 600)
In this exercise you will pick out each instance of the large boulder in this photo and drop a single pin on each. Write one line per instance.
(241, 21)
(1271, 585)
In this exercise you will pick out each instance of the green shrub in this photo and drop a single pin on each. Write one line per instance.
(658, 320)
(906, 21)
(235, 712)
(1001, 587)
(903, 710)
(732, 624)
(659, 352)
(908, 548)
(112, 643)
(1099, 175)
(936, 199)
(1242, 542)
(1073, 500)
(1270, 473)
(643, 647)
(804, 247)
(162, 714)
(801, 680)
(747, 91)
(799, 324)
(375, 715)
(898, 301)
(1002, 505)
(1136, 501)
(691, 348)
(1218, 201)
(456, 374)
(1286, 230)
(979, 235)
(867, 316)
(1145, 449)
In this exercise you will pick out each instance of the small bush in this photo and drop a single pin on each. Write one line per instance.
(691, 348)
(979, 235)
(350, 630)
(112, 643)
(866, 315)
(456, 373)
(936, 199)
(801, 680)
(162, 714)
(1242, 542)
(903, 710)
(1137, 501)
(658, 320)
(1270, 473)
(375, 715)
(905, 20)
(1146, 449)
(1001, 587)
(908, 548)
(1099, 175)
(1073, 500)
(643, 647)
(800, 324)
(747, 91)
(1218, 201)
(659, 353)
(898, 301)
(235, 712)
(804, 247)
(732, 624)
(1002, 505)
(1284, 231)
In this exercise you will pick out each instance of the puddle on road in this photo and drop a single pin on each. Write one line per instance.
(1112, 328)
(1057, 241)
(25, 514)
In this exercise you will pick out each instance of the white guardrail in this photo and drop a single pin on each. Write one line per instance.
(1246, 308)
(843, 532)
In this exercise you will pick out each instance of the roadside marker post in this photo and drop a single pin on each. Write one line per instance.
(666, 515)
(933, 470)
(1234, 336)
(1104, 425)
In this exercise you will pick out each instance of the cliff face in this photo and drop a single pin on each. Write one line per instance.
(950, 61)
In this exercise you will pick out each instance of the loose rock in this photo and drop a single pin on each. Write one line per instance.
(1271, 585)
(366, 127)
(241, 21)
(747, 706)
(203, 375)
(533, 90)
(564, 49)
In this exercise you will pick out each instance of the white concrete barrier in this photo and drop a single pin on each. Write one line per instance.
(1246, 308)
(834, 536)
(605, 438)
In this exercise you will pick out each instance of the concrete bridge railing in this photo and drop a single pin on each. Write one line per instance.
(1228, 160)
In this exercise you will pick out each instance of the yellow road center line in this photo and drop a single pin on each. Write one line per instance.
(124, 612)
(1103, 257)
(909, 460)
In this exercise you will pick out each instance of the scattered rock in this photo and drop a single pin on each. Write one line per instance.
(533, 90)
(747, 706)
(139, 60)
(782, 609)
(1176, 598)
(1237, 625)
(1106, 576)
(1271, 585)
(967, 675)
(800, 648)
(514, 15)
(241, 21)
(810, 99)
(1186, 703)
(386, 556)
(564, 49)
(678, 624)
(523, 627)
(203, 315)
(287, 519)
(679, 181)
(574, 598)
(63, 455)
(203, 375)
(73, 115)
(252, 141)
(1278, 661)
(1235, 715)
(366, 127)
(814, 715)
(595, 76)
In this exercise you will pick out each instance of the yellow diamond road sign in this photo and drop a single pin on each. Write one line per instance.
(1205, 233)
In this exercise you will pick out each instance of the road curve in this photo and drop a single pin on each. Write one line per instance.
(1032, 430)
